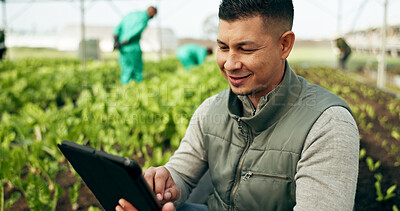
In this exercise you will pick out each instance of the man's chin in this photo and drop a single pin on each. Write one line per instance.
(242, 92)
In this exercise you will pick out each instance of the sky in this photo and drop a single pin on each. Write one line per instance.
(313, 19)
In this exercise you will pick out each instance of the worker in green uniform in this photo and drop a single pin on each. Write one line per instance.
(345, 51)
(192, 55)
(126, 39)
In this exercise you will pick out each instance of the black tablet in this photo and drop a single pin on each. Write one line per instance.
(110, 177)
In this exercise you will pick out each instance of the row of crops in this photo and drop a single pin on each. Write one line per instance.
(43, 102)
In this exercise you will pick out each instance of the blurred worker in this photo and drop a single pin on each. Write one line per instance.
(126, 39)
(2, 44)
(192, 55)
(344, 52)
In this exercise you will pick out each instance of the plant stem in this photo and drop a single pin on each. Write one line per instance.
(1, 195)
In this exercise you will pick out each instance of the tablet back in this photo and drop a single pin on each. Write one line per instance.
(110, 177)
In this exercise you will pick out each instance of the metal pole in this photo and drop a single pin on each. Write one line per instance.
(339, 21)
(159, 32)
(83, 35)
(4, 15)
(381, 78)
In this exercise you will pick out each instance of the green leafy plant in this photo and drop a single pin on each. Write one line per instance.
(389, 192)
(396, 135)
(1, 195)
(37, 193)
(91, 208)
(371, 165)
(73, 193)
(13, 198)
(363, 152)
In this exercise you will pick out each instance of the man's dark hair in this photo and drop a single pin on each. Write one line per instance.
(154, 8)
(276, 10)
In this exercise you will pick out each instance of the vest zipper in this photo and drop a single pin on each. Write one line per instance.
(249, 141)
(251, 174)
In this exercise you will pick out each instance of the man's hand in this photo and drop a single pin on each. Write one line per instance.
(124, 205)
(126, 42)
(160, 181)
(117, 45)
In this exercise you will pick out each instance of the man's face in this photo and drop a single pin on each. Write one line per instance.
(249, 57)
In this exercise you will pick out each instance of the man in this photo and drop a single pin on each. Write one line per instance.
(192, 54)
(344, 52)
(126, 38)
(2, 44)
(270, 142)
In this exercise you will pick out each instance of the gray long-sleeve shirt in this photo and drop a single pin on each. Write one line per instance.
(327, 171)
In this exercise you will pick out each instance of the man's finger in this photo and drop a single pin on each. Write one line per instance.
(125, 205)
(149, 177)
(119, 208)
(168, 207)
(171, 194)
(160, 179)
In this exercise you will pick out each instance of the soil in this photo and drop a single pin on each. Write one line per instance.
(66, 180)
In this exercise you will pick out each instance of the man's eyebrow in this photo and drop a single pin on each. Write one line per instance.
(238, 44)
(220, 42)
(245, 43)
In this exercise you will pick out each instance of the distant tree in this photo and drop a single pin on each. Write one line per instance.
(210, 27)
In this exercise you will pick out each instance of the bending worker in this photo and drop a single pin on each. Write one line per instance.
(192, 55)
(126, 39)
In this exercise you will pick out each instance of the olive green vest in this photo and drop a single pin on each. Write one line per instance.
(252, 161)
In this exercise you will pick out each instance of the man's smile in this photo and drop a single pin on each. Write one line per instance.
(238, 80)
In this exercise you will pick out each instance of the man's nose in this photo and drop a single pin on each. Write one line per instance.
(233, 62)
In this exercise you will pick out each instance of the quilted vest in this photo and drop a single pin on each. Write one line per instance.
(252, 161)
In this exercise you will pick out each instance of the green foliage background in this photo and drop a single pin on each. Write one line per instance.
(44, 101)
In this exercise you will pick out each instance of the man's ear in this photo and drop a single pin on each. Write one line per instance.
(286, 42)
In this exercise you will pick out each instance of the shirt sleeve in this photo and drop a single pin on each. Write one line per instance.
(132, 26)
(201, 55)
(327, 172)
(189, 162)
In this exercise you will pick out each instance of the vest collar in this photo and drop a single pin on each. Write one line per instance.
(276, 107)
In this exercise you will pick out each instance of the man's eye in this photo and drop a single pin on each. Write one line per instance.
(246, 50)
(223, 48)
